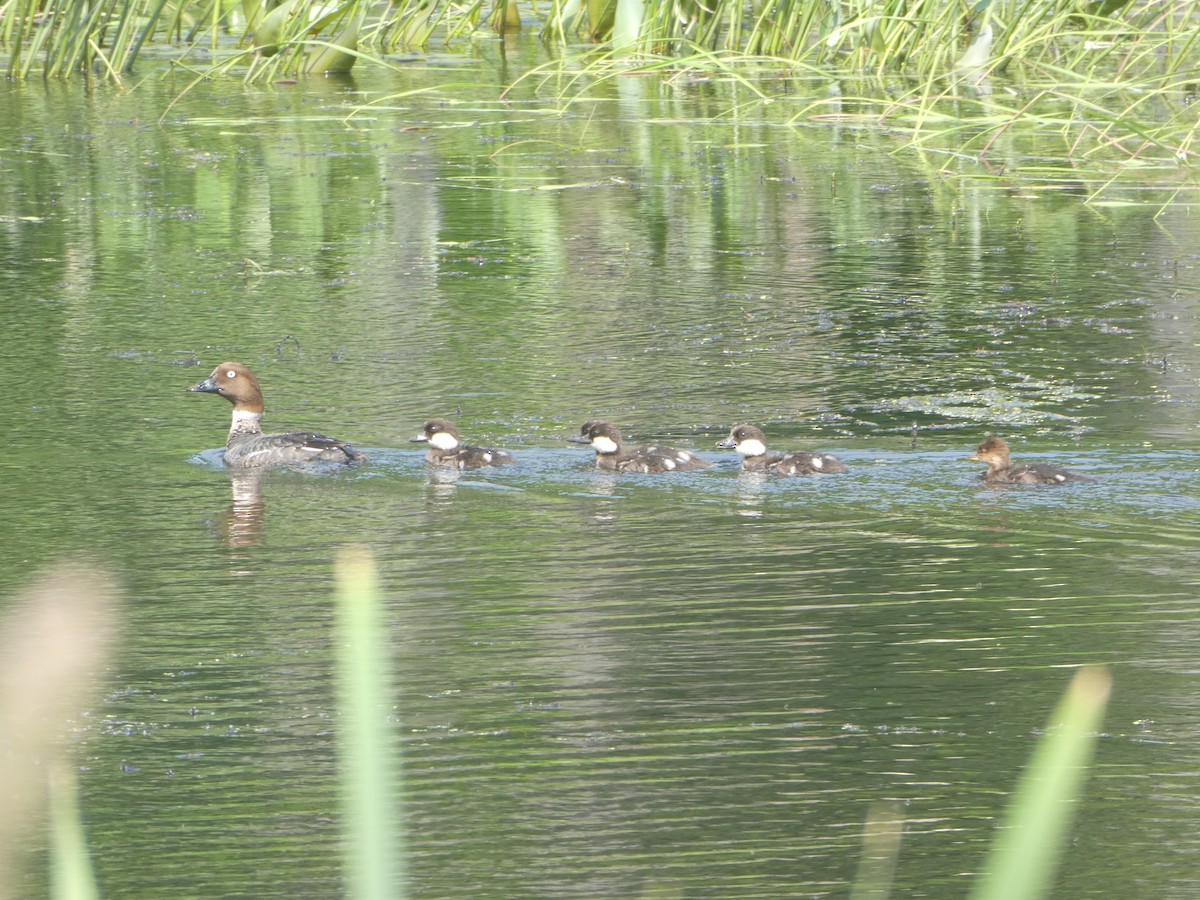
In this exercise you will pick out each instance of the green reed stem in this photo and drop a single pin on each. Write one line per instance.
(71, 875)
(370, 780)
(1025, 852)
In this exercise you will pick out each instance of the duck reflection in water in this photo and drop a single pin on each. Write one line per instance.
(751, 493)
(241, 525)
(442, 482)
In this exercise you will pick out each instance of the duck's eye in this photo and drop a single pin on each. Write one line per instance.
(231, 374)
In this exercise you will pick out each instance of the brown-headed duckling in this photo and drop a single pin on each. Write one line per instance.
(1000, 469)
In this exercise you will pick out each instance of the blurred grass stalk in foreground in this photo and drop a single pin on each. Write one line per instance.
(370, 778)
(1025, 852)
(54, 641)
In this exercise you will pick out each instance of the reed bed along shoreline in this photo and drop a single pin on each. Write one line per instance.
(1118, 80)
(1148, 44)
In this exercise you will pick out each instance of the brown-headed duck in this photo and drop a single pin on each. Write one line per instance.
(1000, 470)
(247, 446)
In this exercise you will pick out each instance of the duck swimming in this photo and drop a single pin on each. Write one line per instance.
(1000, 470)
(751, 443)
(446, 450)
(247, 447)
(612, 456)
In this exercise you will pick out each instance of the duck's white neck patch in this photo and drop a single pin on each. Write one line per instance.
(751, 447)
(443, 440)
(246, 422)
(603, 444)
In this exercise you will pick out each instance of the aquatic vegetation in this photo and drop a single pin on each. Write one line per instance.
(370, 785)
(1117, 78)
(1023, 856)
(1066, 40)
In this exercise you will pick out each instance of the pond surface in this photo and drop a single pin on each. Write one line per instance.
(607, 686)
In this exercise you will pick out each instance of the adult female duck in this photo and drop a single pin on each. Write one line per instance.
(247, 446)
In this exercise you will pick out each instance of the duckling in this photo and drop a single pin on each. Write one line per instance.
(751, 443)
(446, 450)
(1000, 470)
(611, 456)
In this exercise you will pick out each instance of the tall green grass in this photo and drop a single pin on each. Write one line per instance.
(1025, 853)
(1116, 78)
(71, 876)
(370, 779)
(1067, 39)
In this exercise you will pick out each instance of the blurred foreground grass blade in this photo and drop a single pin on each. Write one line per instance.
(54, 640)
(1025, 852)
(881, 849)
(70, 868)
(370, 780)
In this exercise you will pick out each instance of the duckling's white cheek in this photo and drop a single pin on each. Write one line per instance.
(670, 463)
(752, 448)
(602, 444)
(443, 441)
(818, 463)
(684, 456)
(1060, 478)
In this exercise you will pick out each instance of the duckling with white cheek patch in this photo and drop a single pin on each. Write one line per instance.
(445, 449)
(611, 456)
(751, 444)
